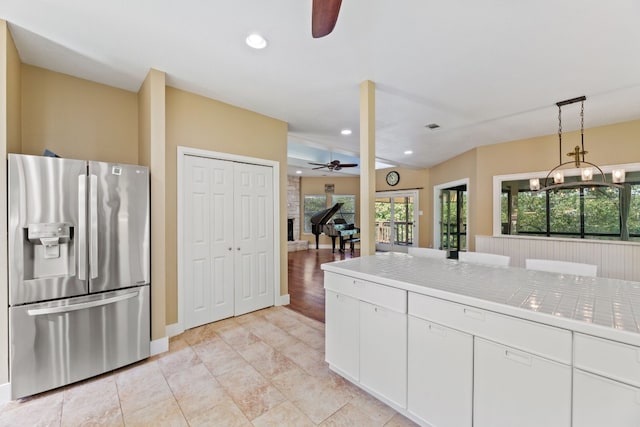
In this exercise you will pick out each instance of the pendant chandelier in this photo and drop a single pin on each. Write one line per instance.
(591, 175)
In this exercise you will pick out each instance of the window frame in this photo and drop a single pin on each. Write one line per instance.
(343, 213)
(305, 219)
(497, 204)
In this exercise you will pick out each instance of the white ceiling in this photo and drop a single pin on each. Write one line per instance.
(485, 71)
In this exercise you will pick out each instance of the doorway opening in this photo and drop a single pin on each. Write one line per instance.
(450, 217)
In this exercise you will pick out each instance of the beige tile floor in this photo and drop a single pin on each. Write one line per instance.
(262, 369)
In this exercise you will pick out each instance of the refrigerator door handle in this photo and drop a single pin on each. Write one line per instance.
(93, 226)
(80, 306)
(82, 227)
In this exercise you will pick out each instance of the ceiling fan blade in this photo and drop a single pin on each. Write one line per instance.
(348, 165)
(319, 167)
(318, 164)
(324, 16)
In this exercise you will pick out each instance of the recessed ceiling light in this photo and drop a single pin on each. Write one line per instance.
(432, 126)
(298, 172)
(408, 152)
(346, 131)
(256, 41)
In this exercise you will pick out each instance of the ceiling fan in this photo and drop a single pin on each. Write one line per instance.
(324, 15)
(333, 165)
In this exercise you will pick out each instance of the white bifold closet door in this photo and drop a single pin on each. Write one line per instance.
(228, 239)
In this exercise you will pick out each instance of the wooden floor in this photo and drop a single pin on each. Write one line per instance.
(306, 289)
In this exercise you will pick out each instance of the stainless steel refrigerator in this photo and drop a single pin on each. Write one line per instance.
(79, 288)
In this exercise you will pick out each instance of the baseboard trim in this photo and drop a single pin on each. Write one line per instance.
(5, 393)
(283, 300)
(160, 345)
(173, 330)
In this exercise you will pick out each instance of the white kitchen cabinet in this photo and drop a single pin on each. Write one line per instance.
(383, 352)
(440, 374)
(516, 388)
(530, 366)
(342, 340)
(606, 383)
(599, 401)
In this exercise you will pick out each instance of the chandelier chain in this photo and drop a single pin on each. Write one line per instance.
(560, 131)
(582, 129)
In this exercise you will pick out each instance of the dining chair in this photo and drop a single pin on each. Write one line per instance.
(427, 252)
(484, 258)
(566, 267)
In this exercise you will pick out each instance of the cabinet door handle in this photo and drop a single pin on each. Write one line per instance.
(518, 357)
(380, 310)
(439, 330)
(478, 315)
(358, 283)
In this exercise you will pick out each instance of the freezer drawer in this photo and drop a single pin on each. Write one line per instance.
(61, 342)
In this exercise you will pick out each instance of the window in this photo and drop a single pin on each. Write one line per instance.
(587, 212)
(531, 214)
(348, 209)
(312, 205)
(602, 211)
(564, 211)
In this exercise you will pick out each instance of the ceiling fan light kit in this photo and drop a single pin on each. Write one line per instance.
(333, 165)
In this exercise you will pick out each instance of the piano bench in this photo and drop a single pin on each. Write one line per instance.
(351, 242)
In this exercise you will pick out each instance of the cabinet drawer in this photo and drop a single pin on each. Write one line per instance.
(547, 341)
(607, 358)
(383, 296)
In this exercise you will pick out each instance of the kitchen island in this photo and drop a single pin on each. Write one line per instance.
(450, 343)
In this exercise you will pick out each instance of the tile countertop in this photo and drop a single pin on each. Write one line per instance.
(598, 306)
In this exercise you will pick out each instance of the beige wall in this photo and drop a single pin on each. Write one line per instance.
(77, 118)
(198, 122)
(315, 186)
(144, 122)
(14, 97)
(152, 153)
(10, 135)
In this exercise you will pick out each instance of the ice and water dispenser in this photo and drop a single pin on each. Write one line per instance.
(49, 250)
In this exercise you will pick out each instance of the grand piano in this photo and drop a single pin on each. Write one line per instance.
(337, 229)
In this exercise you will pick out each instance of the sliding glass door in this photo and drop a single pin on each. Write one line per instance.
(396, 220)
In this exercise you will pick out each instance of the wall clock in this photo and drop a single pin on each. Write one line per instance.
(393, 178)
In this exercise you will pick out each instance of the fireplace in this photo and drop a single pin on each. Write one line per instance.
(290, 229)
